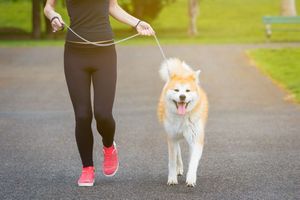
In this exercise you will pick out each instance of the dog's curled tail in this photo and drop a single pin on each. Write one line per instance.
(173, 66)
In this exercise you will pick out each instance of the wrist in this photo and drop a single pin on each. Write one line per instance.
(53, 18)
(137, 24)
(53, 14)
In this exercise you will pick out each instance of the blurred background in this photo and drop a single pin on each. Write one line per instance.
(188, 21)
(22, 23)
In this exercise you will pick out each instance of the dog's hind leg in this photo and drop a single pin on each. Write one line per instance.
(179, 160)
(172, 178)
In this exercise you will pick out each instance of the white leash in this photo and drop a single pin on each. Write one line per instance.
(160, 48)
(101, 45)
(117, 42)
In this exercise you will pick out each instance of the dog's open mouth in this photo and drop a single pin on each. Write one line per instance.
(181, 107)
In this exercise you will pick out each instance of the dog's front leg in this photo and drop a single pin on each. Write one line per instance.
(195, 156)
(179, 160)
(196, 147)
(172, 178)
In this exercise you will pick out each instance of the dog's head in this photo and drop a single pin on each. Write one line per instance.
(181, 89)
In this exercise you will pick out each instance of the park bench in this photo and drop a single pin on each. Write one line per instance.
(269, 20)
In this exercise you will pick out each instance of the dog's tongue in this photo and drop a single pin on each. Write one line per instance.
(181, 109)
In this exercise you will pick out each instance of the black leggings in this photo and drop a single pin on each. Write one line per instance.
(83, 65)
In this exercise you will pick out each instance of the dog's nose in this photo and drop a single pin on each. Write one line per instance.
(182, 97)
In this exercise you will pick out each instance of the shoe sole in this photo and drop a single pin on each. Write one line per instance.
(86, 184)
(110, 175)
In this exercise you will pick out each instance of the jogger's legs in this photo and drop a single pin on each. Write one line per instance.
(104, 83)
(81, 66)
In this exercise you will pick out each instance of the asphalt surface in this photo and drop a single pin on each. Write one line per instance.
(252, 144)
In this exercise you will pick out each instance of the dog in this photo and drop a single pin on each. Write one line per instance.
(183, 110)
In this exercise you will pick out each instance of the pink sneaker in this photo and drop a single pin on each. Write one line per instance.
(110, 163)
(87, 177)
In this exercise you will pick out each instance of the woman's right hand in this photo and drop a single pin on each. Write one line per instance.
(57, 23)
(144, 28)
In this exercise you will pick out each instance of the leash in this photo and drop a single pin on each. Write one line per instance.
(160, 48)
(100, 45)
(117, 42)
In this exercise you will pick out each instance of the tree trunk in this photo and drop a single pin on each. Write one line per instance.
(48, 26)
(47, 22)
(138, 8)
(193, 14)
(288, 8)
(36, 19)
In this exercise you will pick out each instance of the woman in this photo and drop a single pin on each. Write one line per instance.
(85, 63)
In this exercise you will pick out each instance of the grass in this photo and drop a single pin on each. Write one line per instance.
(30, 43)
(282, 65)
(230, 21)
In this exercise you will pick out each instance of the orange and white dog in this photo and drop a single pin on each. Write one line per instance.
(183, 110)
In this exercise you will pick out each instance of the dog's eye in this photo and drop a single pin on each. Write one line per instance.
(188, 90)
(176, 90)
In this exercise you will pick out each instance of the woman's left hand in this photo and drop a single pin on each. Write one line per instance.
(144, 28)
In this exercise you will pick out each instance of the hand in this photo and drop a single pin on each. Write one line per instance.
(144, 28)
(57, 23)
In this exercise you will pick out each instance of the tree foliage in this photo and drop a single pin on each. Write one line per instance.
(146, 9)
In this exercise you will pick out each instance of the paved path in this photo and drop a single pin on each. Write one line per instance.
(253, 136)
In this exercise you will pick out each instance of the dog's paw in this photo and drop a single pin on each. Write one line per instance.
(190, 184)
(172, 181)
(191, 181)
(179, 171)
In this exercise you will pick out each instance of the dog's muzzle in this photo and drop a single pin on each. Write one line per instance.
(181, 107)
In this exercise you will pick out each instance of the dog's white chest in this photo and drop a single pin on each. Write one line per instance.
(175, 127)
(179, 127)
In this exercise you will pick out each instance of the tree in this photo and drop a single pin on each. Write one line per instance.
(288, 8)
(47, 22)
(147, 9)
(37, 6)
(36, 19)
(193, 14)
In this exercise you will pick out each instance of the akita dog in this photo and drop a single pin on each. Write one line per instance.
(183, 110)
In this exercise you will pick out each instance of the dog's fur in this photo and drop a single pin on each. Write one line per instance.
(183, 110)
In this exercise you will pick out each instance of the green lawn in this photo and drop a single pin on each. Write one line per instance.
(282, 65)
(220, 21)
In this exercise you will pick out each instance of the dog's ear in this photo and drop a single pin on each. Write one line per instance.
(197, 74)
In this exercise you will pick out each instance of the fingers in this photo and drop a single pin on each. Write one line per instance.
(61, 20)
(145, 29)
(57, 24)
(150, 30)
